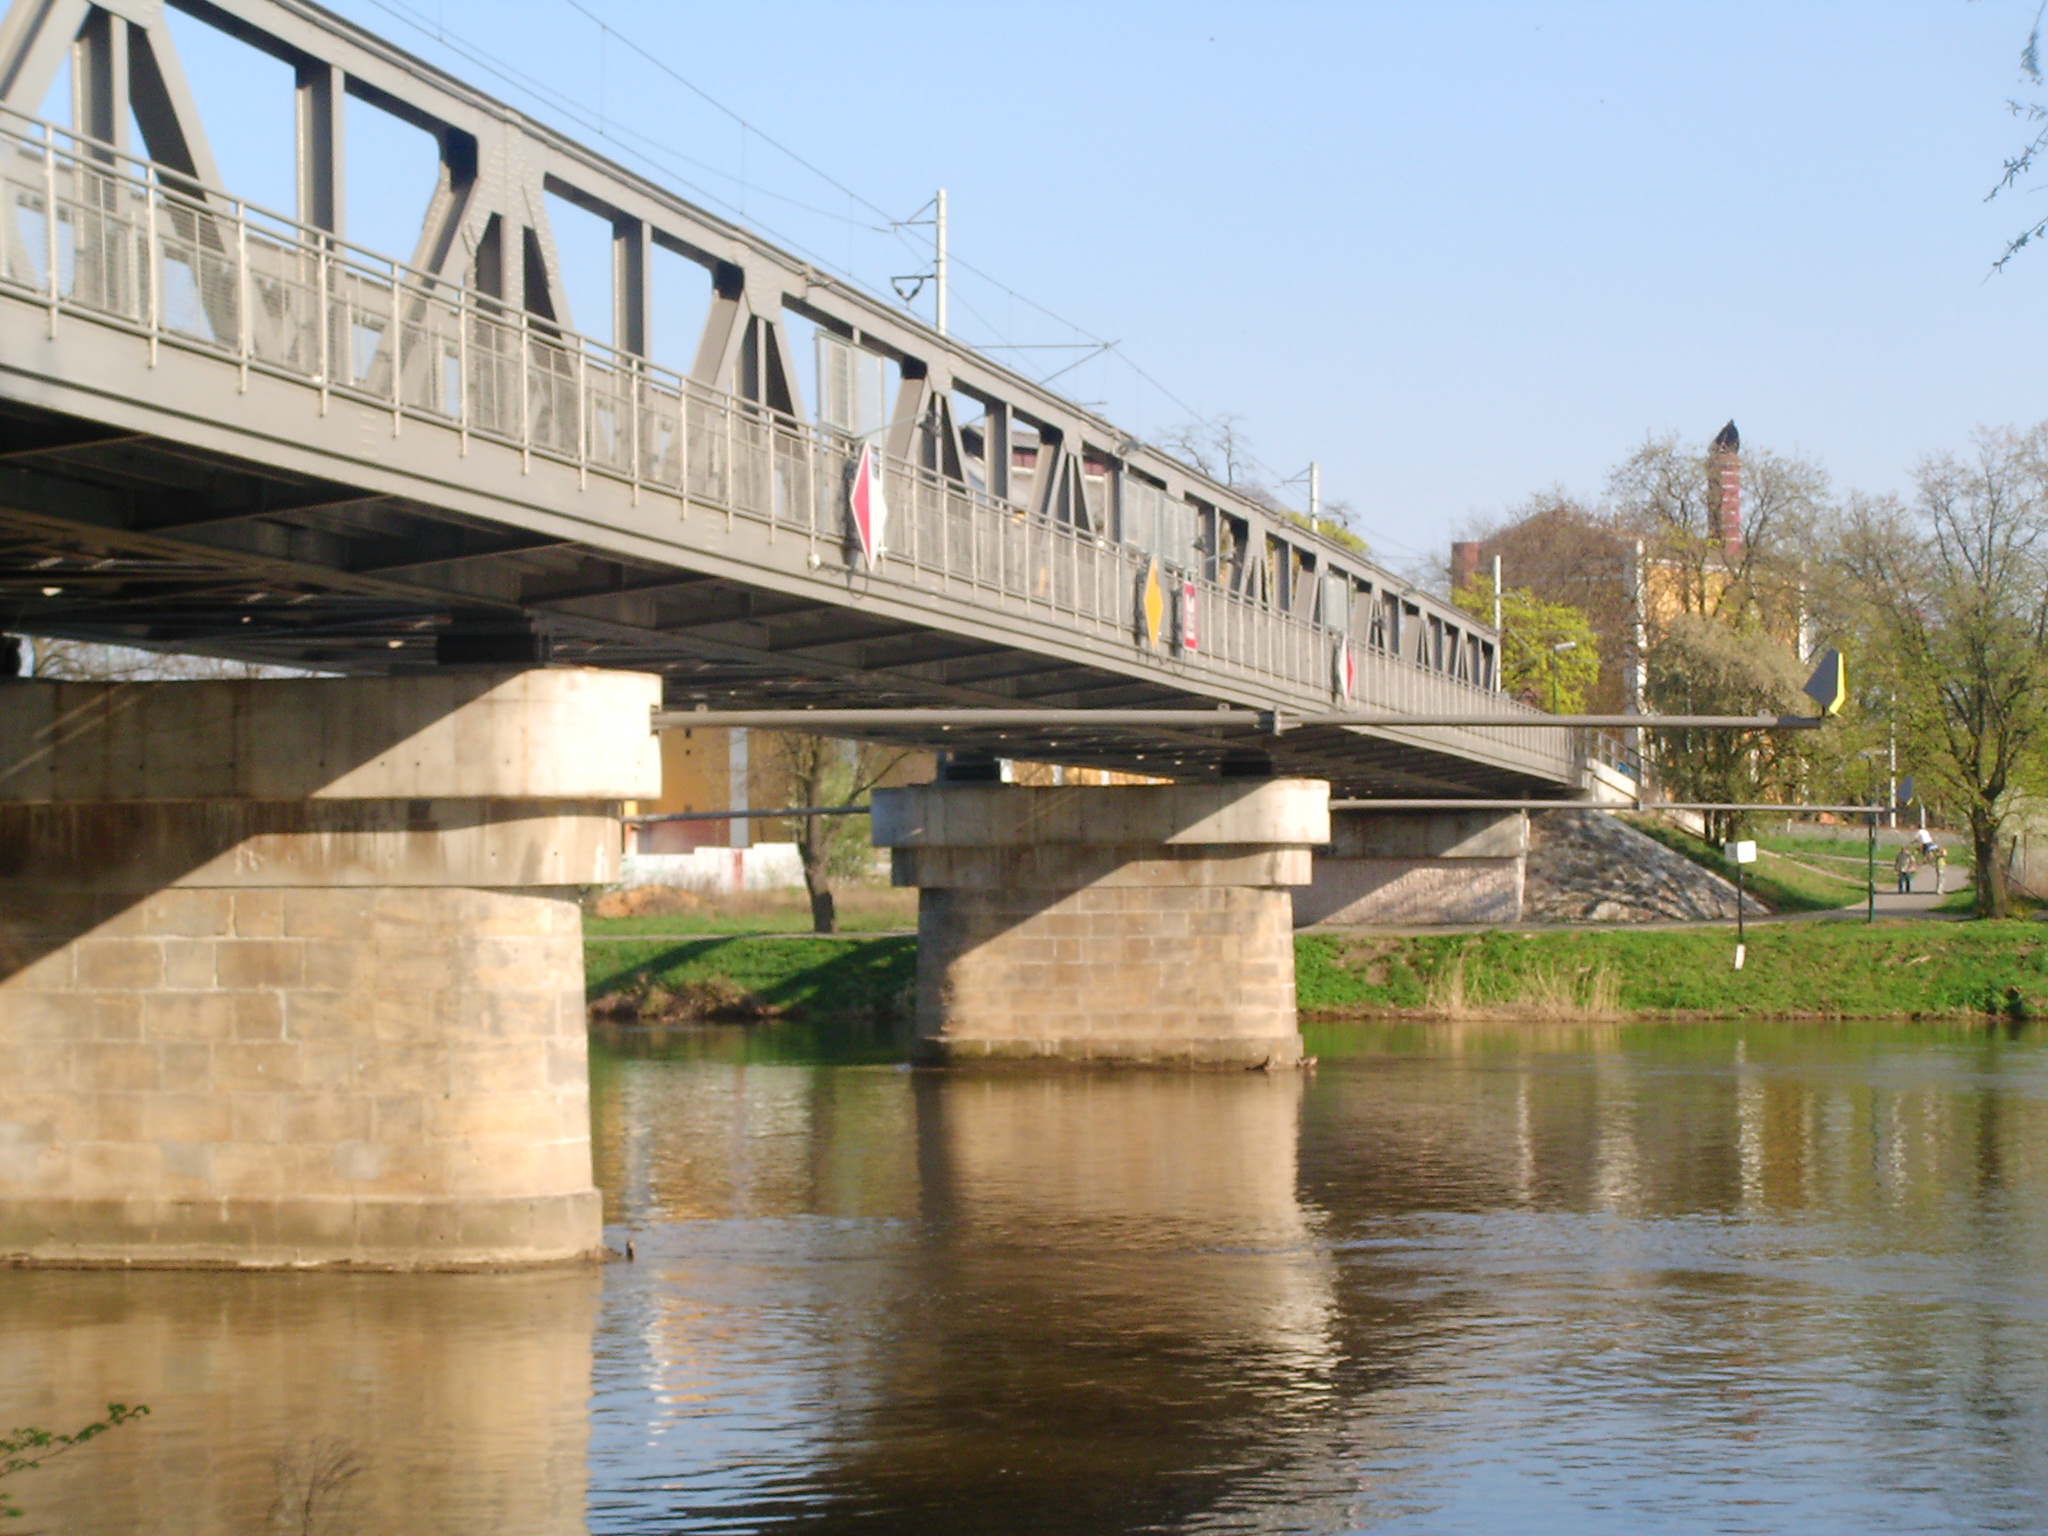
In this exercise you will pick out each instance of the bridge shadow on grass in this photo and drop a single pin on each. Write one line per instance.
(737, 976)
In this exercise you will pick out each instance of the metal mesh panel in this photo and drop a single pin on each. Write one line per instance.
(661, 435)
(493, 381)
(707, 450)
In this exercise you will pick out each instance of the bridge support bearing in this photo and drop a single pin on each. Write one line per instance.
(1418, 867)
(1128, 924)
(291, 971)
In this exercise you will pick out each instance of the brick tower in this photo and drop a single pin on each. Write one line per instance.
(1724, 492)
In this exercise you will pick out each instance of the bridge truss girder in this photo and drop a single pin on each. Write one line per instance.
(182, 516)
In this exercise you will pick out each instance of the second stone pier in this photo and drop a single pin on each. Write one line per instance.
(1117, 924)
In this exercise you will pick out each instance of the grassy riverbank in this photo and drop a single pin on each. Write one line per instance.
(737, 976)
(1793, 970)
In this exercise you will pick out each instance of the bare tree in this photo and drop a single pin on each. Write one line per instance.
(824, 770)
(1663, 494)
(90, 661)
(1956, 589)
(315, 1488)
(1219, 447)
(2020, 165)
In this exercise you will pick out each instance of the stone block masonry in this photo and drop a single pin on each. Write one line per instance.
(319, 1030)
(1146, 924)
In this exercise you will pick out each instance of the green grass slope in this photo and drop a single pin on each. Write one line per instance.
(1793, 970)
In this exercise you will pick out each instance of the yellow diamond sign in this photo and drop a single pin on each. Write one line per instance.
(1152, 605)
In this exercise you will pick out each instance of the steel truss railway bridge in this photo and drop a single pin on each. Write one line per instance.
(290, 967)
(226, 429)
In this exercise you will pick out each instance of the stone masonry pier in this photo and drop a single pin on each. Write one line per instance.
(1130, 924)
(291, 970)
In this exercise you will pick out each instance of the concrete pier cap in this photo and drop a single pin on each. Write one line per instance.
(1140, 924)
(291, 969)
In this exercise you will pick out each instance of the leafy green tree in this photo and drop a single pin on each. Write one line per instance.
(1703, 666)
(1541, 644)
(1956, 593)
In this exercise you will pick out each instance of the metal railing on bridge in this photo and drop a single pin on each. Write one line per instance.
(138, 246)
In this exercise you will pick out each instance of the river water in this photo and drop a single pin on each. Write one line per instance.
(1484, 1279)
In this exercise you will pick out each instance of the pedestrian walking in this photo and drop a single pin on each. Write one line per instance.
(1905, 864)
(1940, 866)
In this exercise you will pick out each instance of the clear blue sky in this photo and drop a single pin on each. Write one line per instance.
(1457, 252)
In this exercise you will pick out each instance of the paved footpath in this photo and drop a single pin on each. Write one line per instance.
(1919, 905)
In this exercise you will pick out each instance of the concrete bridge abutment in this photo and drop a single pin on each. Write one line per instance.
(1143, 924)
(291, 970)
(1420, 867)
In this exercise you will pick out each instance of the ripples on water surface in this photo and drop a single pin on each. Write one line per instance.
(1698, 1278)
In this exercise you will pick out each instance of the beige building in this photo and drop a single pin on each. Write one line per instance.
(716, 769)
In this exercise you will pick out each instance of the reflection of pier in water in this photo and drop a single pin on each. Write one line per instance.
(1111, 1284)
(462, 1397)
(1171, 1298)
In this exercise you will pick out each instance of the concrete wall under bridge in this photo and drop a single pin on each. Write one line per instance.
(1418, 867)
(291, 970)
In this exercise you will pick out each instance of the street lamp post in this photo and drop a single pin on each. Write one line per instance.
(1870, 872)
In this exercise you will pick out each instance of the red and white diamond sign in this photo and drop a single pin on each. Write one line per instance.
(1343, 671)
(870, 509)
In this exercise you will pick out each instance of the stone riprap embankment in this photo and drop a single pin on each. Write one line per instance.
(1591, 867)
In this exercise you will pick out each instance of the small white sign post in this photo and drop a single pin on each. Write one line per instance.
(1739, 854)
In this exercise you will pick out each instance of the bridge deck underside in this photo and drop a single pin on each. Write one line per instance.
(134, 539)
